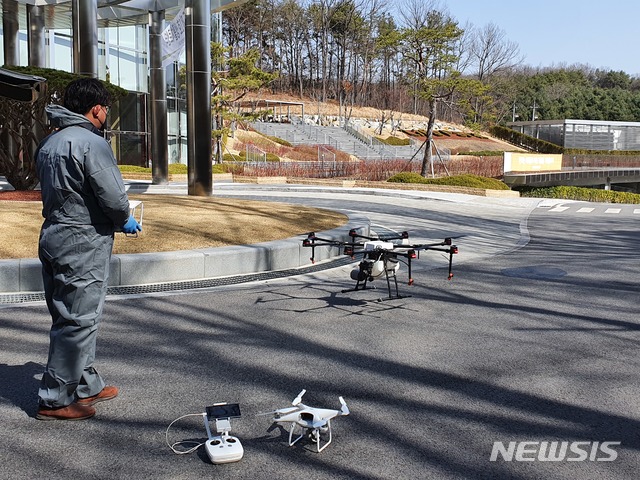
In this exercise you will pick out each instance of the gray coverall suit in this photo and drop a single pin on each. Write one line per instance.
(84, 199)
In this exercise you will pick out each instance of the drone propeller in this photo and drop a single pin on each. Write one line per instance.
(344, 410)
(298, 399)
(386, 237)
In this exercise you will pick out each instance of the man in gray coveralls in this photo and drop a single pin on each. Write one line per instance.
(84, 203)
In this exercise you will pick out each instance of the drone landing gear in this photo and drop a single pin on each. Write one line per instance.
(362, 285)
(359, 287)
(397, 296)
(314, 435)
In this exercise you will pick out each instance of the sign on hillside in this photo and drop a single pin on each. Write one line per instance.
(532, 162)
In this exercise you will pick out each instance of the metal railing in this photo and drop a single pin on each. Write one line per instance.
(384, 150)
(325, 155)
(255, 154)
(363, 145)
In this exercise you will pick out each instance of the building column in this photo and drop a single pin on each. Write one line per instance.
(10, 29)
(85, 37)
(35, 36)
(198, 52)
(158, 101)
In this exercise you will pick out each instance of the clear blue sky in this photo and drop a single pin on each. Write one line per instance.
(602, 34)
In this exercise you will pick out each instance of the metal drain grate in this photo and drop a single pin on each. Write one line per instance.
(21, 297)
(10, 298)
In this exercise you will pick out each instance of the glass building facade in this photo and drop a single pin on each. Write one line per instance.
(123, 61)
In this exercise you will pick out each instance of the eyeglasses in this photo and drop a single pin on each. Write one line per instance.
(106, 109)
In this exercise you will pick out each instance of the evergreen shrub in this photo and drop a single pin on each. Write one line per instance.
(581, 194)
(467, 180)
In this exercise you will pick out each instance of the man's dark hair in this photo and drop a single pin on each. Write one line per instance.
(83, 94)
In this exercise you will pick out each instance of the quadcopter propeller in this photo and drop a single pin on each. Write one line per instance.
(298, 399)
(344, 410)
(386, 237)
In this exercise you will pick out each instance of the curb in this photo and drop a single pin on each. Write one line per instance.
(25, 275)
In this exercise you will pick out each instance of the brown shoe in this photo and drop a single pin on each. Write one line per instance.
(70, 412)
(107, 393)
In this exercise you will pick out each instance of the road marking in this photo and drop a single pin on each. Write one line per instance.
(637, 210)
(585, 210)
(612, 210)
(559, 209)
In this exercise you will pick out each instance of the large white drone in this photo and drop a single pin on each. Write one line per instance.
(311, 421)
(381, 257)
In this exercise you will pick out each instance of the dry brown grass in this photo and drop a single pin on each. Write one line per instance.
(329, 108)
(179, 223)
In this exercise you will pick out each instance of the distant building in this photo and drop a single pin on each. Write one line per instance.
(583, 134)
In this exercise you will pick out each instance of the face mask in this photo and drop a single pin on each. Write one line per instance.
(106, 113)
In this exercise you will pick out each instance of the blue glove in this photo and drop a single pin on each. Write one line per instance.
(131, 226)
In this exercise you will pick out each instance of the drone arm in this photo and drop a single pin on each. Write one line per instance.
(313, 242)
(278, 412)
(439, 247)
(354, 234)
(409, 257)
(452, 251)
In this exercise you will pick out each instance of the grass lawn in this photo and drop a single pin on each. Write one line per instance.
(179, 223)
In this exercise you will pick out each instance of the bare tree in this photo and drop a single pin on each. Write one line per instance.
(291, 33)
(428, 44)
(319, 14)
(492, 52)
(463, 48)
(419, 21)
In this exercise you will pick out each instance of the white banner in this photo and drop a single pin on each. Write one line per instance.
(173, 39)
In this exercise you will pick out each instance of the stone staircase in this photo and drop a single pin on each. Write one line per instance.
(347, 139)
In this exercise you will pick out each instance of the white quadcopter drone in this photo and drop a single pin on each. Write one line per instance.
(311, 421)
(381, 257)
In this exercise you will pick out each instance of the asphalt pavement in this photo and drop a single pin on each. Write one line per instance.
(532, 346)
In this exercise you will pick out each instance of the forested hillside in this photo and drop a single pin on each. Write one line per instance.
(357, 53)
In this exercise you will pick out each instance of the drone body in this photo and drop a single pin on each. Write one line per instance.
(375, 263)
(310, 421)
(381, 258)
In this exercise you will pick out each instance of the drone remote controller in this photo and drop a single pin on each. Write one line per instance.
(223, 448)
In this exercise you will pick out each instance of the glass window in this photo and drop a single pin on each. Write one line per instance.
(62, 50)
(127, 59)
